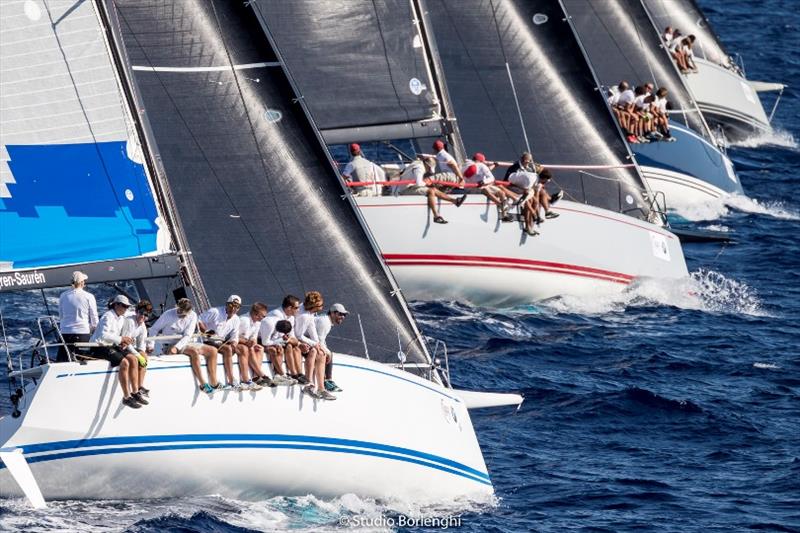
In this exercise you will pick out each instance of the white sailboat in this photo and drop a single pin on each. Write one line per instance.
(399, 429)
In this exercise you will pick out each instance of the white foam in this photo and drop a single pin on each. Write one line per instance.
(714, 209)
(703, 290)
(765, 365)
(773, 138)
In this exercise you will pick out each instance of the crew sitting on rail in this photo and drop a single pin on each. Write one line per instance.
(645, 117)
(113, 348)
(181, 321)
(248, 346)
(136, 328)
(362, 170)
(77, 314)
(525, 180)
(424, 176)
(667, 35)
(658, 107)
(478, 172)
(283, 345)
(220, 326)
(546, 200)
(681, 51)
(310, 347)
(334, 317)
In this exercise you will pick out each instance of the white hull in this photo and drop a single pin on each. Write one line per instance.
(389, 435)
(476, 258)
(727, 99)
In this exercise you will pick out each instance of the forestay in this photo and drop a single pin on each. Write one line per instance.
(360, 66)
(622, 44)
(566, 119)
(74, 187)
(257, 193)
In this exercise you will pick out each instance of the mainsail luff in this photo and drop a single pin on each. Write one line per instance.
(566, 119)
(68, 136)
(240, 133)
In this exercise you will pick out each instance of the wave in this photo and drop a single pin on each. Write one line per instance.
(714, 209)
(776, 137)
(703, 290)
(215, 513)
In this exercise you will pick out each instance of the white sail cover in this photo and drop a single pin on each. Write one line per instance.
(74, 188)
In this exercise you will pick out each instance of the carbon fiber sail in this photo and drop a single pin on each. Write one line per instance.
(360, 66)
(75, 188)
(566, 120)
(622, 44)
(687, 16)
(260, 201)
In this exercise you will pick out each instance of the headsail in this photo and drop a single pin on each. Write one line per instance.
(257, 193)
(74, 186)
(566, 120)
(622, 44)
(361, 67)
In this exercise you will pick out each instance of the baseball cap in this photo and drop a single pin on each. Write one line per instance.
(355, 148)
(234, 299)
(339, 308)
(471, 171)
(438, 145)
(479, 157)
(121, 299)
(79, 276)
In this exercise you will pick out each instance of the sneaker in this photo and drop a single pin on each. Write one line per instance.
(218, 386)
(632, 139)
(460, 200)
(551, 214)
(139, 398)
(131, 402)
(532, 232)
(144, 392)
(208, 389)
(309, 389)
(331, 386)
(642, 139)
(325, 395)
(229, 387)
(556, 197)
(301, 379)
(507, 218)
(254, 386)
(439, 220)
(280, 379)
(655, 135)
(670, 139)
(264, 381)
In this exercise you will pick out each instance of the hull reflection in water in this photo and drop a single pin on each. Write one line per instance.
(390, 434)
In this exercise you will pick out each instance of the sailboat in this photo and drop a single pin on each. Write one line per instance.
(620, 43)
(256, 203)
(384, 80)
(720, 86)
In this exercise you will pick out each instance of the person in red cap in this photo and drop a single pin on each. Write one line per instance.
(422, 171)
(446, 165)
(477, 171)
(362, 170)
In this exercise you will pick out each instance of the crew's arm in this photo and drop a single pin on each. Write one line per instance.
(267, 330)
(187, 332)
(93, 319)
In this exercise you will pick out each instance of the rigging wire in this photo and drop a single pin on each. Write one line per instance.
(203, 152)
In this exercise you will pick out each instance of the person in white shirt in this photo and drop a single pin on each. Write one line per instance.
(283, 345)
(306, 332)
(621, 101)
(667, 35)
(77, 313)
(334, 317)
(221, 328)
(248, 346)
(527, 182)
(362, 170)
(113, 348)
(424, 175)
(181, 321)
(688, 55)
(478, 172)
(136, 329)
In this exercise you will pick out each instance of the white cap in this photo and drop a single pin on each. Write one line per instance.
(234, 299)
(78, 276)
(339, 308)
(121, 299)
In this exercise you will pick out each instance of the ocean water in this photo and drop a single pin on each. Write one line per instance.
(669, 408)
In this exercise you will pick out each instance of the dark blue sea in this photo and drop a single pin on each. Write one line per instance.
(668, 408)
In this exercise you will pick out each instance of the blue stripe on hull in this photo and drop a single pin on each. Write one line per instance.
(90, 447)
(690, 155)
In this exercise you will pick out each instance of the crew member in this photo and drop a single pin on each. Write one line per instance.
(77, 313)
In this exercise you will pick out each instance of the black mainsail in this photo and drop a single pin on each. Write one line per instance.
(260, 201)
(622, 44)
(566, 120)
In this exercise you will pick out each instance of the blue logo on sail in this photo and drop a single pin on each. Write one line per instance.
(75, 203)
